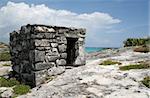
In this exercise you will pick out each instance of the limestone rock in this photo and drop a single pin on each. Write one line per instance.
(50, 58)
(56, 70)
(8, 93)
(39, 55)
(60, 62)
(54, 45)
(40, 76)
(42, 42)
(63, 55)
(41, 66)
(44, 29)
(62, 48)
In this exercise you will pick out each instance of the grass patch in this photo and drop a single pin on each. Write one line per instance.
(8, 82)
(109, 62)
(146, 81)
(6, 65)
(5, 56)
(21, 89)
(135, 66)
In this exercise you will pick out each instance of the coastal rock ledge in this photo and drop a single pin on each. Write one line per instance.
(97, 81)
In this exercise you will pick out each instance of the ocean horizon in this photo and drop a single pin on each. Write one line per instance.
(95, 49)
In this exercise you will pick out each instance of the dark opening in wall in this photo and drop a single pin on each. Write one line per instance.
(71, 50)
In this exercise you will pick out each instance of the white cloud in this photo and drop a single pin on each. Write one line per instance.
(13, 15)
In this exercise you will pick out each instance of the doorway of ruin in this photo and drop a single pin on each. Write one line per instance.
(71, 50)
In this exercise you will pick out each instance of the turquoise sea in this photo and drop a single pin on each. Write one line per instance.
(93, 49)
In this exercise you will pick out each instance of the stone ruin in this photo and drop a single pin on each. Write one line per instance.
(40, 51)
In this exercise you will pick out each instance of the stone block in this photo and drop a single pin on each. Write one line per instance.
(50, 58)
(60, 62)
(39, 76)
(39, 55)
(43, 29)
(42, 42)
(53, 52)
(16, 68)
(62, 48)
(63, 55)
(56, 71)
(54, 45)
(41, 66)
(42, 36)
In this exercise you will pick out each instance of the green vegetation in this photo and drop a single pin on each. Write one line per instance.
(135, 66)
(5, 56)
(137, 42)
(6, 65)
(18, 88)
(109, 62)
(21, 89)
(8, 82)
(146, 81)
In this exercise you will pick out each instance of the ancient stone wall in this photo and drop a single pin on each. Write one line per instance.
(39, 51)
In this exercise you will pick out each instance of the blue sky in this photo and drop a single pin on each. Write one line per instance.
(125, 18)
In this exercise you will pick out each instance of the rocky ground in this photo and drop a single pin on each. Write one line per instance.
(93, 80)
(97, 81)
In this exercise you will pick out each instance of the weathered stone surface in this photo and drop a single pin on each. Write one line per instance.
(41, 66)
(42, 36)
(63, 55)
(62, 48)
(43, 29)
(42, 42)
(50, 58)
(8, 93)
(60, 62)
(39, 76)
(43, 47)
(16, 68)
(56, 70)
(54, 45)
(39, 55)
(80, 60)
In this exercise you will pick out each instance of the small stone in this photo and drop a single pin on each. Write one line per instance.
(63, 55)
(7, 93)
(16, 68)
(54, 45)
(81, 39)
(39, 55)
(50, 30)
(61, 62)
(50, 58)
(39, 76)
(41, 66)
(62, 48)
(56, 71)
(42, 35)
(42, 42)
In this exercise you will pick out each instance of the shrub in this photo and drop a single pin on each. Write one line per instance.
(141, 49)
(136, 42)
(5, 56)
(146, 81)
(8, 82)
(21, 89)
(109, 62)
(135, 66)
